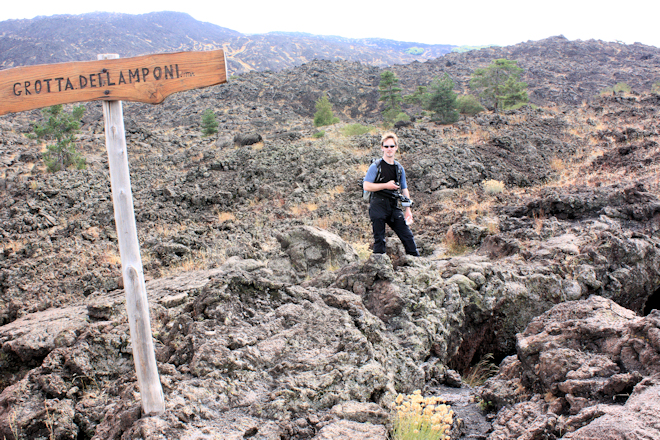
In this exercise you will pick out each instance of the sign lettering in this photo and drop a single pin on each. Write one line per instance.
(149, 78)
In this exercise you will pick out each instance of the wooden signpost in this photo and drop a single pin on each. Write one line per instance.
(150, 79)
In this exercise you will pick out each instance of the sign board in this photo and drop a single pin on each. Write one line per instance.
(148, 78)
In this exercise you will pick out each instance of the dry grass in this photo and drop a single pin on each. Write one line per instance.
(421, 418)
(110, 256)
(481, 372)
(226, 217)
(493, 224)
(539, 219)
(169, 229)
(556, 164)
(469, 204)
(477, 136)
(493, 186)
(363, 250)
(336, 191)
(322, 223)
(197, 260)
(298, 210)
(14, 245)
(362, 168)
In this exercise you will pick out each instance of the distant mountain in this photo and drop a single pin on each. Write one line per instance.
(61, 38)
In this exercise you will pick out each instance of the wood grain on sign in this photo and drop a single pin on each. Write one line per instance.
(148, 78)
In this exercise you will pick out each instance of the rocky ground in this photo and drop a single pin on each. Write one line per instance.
(270, 317)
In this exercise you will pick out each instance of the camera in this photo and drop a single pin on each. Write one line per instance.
(405, 201)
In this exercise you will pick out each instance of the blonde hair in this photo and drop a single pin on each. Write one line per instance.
(389, 135)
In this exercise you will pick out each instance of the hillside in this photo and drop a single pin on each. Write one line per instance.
(272, 320)
(60, 38)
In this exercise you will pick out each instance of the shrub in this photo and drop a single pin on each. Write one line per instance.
(61, 127)
(355, 130)
(468, 105)
(493, 186)
(622, 87)
(390, 115)
(656, 87)
(324, 115)
(401, 117)
(209, 124)
(319, 134)
(424, 418)
(616, 88)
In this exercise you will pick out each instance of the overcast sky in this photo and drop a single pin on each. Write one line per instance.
(475, 22)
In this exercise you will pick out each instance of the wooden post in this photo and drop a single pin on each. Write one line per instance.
(151, 391)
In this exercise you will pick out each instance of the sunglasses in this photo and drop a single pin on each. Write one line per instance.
(389, 146)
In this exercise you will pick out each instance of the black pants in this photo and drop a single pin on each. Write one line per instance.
(384, 211)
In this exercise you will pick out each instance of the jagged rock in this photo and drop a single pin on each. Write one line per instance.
(282, 349)
(312, 249)
(467, 234)
(578, 359)
(344, 429)
(243, 139)
(496, 246)
(384, 300)
(635, 420)
(361, 412)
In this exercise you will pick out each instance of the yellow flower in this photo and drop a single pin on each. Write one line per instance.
(429, 410)
(419, 392)
(399, 399)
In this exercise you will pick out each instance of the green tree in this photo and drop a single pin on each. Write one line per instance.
(513, 94)
(209, 123)
(324, 115)
(418, 97)
(442, 100)
(468, 105)
(61, 127)
(499, 84)
(390, 92)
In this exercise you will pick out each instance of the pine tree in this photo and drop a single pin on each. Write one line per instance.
(418, 97)
(209, 123)
(513, 93)
(62, 128)
(324, 115)
(442, 100)
(390, 92)
(500, 84)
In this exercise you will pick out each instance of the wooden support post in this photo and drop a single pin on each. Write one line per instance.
(151, 391)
